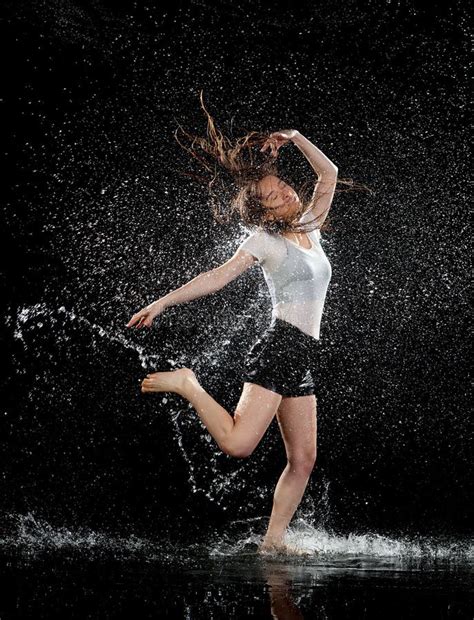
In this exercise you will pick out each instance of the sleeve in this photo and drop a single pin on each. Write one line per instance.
(307, 217)
(256, 244)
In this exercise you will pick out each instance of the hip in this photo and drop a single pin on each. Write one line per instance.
(285, 340)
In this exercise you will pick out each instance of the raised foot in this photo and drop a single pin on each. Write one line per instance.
(168, 381)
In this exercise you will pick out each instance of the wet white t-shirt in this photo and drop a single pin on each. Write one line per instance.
(297, 278)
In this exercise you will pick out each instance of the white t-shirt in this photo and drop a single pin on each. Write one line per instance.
(297, 278)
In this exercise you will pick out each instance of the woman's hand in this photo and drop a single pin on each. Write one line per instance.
(279, 138)
(144, 318)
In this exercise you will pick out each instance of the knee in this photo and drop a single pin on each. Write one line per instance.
(303, 463)
(236, 451)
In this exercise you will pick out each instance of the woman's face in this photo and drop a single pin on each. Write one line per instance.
(278, 197)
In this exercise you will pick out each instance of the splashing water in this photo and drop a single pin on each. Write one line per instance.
(39, 316)
(31, 313)
(31, 537)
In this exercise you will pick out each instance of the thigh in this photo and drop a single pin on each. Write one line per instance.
(255, 410)
(297, 419)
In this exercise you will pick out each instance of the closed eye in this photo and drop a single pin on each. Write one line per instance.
(280, 185)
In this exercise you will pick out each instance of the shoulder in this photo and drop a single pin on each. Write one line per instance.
(307, 217)
(261, 244)
(260, 235)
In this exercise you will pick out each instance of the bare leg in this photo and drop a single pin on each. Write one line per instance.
(297, 420)
(235, 436)
(240, 435)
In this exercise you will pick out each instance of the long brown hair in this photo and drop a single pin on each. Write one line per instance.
(237, 194)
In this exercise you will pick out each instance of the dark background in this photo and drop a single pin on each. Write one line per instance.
(98, 221)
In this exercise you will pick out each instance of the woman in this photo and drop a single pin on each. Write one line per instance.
(277, 379)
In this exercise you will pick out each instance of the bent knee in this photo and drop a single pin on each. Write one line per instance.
(238, 451)
(303, 464)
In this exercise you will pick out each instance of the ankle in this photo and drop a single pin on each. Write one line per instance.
(272, 539)
(189, 382)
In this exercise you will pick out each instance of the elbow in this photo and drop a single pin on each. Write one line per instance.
(328, 172)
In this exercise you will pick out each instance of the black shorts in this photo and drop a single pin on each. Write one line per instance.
(281, 360)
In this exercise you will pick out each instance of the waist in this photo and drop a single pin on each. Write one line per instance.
(278, 324)
(306, 315)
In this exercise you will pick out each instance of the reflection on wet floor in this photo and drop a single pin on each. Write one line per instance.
(68, 584)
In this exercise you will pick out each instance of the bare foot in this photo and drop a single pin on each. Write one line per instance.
(279, 548)
(168, 381)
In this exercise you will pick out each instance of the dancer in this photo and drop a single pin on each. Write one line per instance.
(277, 378)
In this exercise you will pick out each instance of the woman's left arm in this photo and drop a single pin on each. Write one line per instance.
(321, 164)
(323, 193)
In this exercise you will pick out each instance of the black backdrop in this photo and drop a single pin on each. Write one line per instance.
(97, 221)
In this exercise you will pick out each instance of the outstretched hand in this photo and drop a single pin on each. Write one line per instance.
(277, 139)
(144, 318)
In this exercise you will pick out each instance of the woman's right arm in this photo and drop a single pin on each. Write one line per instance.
(200, 286)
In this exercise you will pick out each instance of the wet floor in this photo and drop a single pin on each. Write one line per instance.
(197, 583)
